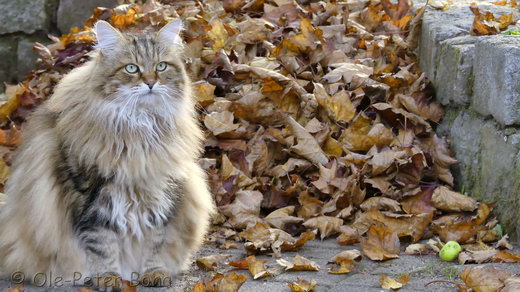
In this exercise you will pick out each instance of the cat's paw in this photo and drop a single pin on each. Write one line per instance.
(107, 280)
(156, 278)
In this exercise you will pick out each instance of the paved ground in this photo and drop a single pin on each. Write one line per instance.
(422, 270)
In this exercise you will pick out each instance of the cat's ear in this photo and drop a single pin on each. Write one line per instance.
(169, 34)
(107, 36)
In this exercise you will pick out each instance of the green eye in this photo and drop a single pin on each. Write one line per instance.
(131, 68)
(161, 66)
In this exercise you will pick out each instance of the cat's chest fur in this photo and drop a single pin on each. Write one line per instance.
(131, 199)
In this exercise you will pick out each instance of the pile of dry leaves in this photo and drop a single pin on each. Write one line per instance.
(318, 121)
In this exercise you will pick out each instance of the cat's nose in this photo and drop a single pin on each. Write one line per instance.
(150, 83)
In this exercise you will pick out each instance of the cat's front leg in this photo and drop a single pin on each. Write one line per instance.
(155, 272)
(102, 250)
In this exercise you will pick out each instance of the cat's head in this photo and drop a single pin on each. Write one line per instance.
(145, 67)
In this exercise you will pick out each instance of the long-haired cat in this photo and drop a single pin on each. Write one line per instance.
(106, 182)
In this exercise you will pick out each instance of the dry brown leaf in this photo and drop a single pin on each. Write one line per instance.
(310, 206)
(512, 284)
(279, 218)
(420, 203)
(380, 244)
(299, 263)
(478, 257)
(417, 248)
(307, 146)
(240, 264)
(209, 263)
(204, 93)
(487, 24)
(349, 72)
(256, 268)
(244, 210)
(506, 257)
(339, 107)
(432, 111)
(221, 283)
(302, 285)
(220, 122)
(290, 165)
(447, 200)
(346, 260)
(261, 238)
(304, 237)
(228, 244)
(361, 135)
(380, 203)
(404, 225)
(347, 236)
(484, 278)
(389, 283)
(503, 243)
(325, 224)
(460, 232)
(383, 160)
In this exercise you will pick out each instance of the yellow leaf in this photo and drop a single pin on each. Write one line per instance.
(339, 107)
(204, 92)
(302, 285)
(218, 34)
(11, 101)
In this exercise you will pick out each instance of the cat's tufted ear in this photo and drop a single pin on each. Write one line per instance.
(107, 36)
(169, 34)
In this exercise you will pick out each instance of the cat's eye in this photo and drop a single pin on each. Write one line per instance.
(161, 67)
(131, 68)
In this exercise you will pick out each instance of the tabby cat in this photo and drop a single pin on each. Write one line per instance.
(106, 183)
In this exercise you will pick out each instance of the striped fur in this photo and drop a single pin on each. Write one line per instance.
(106, 180)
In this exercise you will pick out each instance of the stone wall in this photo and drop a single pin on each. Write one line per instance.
(27, 21)
(477, 79)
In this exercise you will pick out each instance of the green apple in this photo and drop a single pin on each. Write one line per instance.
(450, 251)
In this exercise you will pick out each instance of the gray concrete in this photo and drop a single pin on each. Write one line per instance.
(422, 270)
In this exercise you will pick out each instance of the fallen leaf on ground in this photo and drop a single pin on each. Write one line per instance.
(279, 218)
(302, 285)
(503, 243)
(484, 278)
(447, 200)
(347, 235)
(229, 283)
(346, 260)
(380, 244)
(389, 283)
(417, 248)
(298, 263)
(325, 224)
(256, 267)
(511, 284)
(209, 263)
(506, 257)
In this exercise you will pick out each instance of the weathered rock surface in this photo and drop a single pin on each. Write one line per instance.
(476, 79)
(8, 60)
(74, 13)
(497, 71)
(23, 16)
(27, 21)
(26, 56)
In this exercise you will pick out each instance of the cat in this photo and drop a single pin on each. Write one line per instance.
(106, 183)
